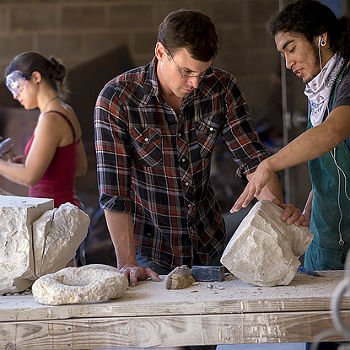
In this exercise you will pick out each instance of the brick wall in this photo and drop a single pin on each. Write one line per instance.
(79, 30)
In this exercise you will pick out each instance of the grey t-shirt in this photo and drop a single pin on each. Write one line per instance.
(343, 96)
(343, 91)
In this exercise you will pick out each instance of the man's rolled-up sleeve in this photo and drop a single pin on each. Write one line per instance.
(112, 146)
(240, 133)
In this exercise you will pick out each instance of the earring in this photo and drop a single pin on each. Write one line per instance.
(323, 42)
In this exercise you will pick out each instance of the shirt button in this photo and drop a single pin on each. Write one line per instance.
(179, 134)
(186, 184)
(183, 160)
(189, 205)
(146, 139)
(211, 129)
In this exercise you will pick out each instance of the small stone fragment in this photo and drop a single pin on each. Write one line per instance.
(179, 278)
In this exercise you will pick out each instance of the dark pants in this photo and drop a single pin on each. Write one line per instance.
(324, 346)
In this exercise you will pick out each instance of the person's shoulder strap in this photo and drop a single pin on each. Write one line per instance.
(67, 120)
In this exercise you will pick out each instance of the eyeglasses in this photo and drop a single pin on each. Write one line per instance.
(188, 74)
(15, 82)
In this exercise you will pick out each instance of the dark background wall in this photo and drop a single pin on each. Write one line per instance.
(97, 39)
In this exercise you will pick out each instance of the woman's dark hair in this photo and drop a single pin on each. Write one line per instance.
(311, 18)
(192, 30)
(52, 70)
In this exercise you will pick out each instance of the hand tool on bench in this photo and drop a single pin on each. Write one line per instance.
(208, 273)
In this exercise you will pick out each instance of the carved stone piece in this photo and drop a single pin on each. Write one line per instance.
(86, 284)
(264, 250)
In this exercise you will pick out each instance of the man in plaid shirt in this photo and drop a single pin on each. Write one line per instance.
(155, 131)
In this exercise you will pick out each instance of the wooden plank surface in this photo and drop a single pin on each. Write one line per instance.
(150, 315)
(305, 293)
(113, 332)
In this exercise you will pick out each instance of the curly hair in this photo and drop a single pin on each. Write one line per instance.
(311, 18)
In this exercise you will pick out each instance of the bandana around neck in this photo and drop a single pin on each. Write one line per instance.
(318, 90)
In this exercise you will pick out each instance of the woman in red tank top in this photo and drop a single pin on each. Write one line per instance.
(55, 155)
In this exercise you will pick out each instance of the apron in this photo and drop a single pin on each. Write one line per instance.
(330, 207)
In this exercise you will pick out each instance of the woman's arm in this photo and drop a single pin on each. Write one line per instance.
(45, 142)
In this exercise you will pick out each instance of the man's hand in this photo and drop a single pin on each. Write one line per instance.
(138, 273)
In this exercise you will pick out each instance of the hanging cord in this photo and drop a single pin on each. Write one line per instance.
(319, 55)
(340, 171)
(344, 285)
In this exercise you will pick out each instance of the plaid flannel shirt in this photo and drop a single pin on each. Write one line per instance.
(156, 164)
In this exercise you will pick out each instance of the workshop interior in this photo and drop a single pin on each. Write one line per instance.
(98, 40)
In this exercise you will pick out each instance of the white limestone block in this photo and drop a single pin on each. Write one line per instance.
(58, 234)
(36, 239)
(264, 250)
(17, 215)
(86, 284)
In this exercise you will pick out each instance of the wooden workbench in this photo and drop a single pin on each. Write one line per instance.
(149, 315)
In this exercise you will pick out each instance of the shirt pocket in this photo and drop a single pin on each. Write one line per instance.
(206, 137)
(147, 145)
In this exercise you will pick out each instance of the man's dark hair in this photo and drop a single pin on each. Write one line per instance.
(311, 18)
(190, 29)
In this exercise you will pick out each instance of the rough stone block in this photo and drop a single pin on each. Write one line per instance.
(36, 239)
(58, 234)
(17, 215)
(264, 250)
